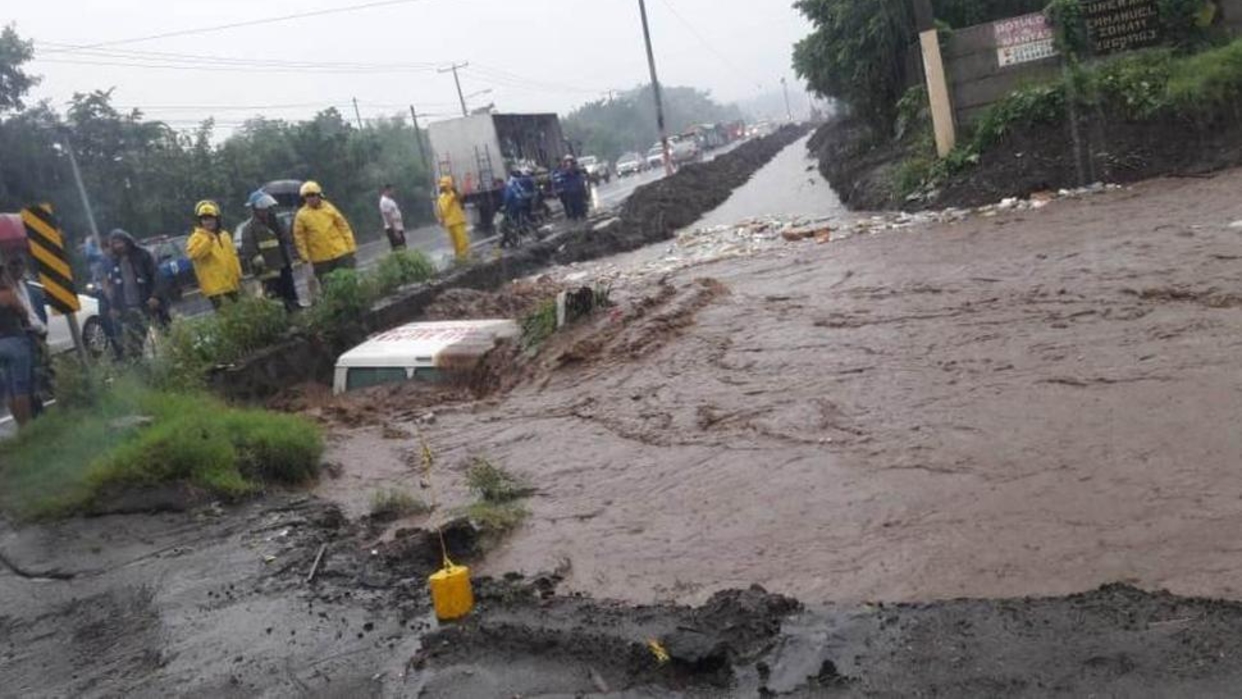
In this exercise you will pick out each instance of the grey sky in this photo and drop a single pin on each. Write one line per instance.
(546, 55)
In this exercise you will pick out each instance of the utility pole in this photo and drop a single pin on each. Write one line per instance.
(357, 114)
(788, 110)
(655, 89)
(460, 95)
(77, 178)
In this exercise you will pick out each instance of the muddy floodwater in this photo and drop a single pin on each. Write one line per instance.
(1027, 404)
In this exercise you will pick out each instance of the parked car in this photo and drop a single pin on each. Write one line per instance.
(630, 164)
(94, 335)
(596, 169)
(175, 268)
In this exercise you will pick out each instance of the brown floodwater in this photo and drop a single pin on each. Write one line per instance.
(1029, 404)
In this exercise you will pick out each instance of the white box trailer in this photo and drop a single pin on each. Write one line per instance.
(479, 150)
(423, 351)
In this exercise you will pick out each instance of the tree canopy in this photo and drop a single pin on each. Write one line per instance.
(860, 51)
(145, 176)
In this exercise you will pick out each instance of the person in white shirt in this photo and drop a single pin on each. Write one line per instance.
(390, 213)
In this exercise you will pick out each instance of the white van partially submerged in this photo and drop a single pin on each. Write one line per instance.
(421, 351)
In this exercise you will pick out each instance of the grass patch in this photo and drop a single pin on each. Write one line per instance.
(67, 460)
(497, 511)
(495, 485)
(347, 295)
(387, 505)
(496, 519)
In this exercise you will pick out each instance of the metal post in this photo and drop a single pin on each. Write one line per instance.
(357, 114)
(460, 95)
(788, 109)
(77, 178)
(655, 89)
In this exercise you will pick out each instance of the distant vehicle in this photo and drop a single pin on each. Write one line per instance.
(175, 268)
(684, 150)
(630, 164)
(655, 157)
(479, 151)
(595, 168)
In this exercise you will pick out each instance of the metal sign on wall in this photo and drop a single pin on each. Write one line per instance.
(1121, 25)
(1023, 39)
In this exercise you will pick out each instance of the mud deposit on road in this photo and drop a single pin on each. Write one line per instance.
(1029, 403)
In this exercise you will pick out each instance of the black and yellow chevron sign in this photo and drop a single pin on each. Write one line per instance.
(47, 247)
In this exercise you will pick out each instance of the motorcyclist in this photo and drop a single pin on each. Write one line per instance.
(215, 259)
(265, 250)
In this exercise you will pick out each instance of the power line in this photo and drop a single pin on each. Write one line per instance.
(702, 40)
(199, 59)
(210, 68)
(248, 23)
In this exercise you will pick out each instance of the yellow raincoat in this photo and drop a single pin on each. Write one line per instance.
(215, 262)
(453, 217)
(322, 234)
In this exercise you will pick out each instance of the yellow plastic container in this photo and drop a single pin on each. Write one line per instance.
(451, 593)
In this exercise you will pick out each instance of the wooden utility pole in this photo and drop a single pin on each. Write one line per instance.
(937, 83)
(655, 89)
(460, 95)
(357, 114)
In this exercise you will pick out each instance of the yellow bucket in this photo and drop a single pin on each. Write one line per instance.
(451, 593)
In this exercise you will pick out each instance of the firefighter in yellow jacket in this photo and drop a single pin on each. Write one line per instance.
(215, 261)
(322, 235)
(453, 217)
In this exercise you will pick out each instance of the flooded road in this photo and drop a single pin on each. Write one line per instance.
(1029, 403)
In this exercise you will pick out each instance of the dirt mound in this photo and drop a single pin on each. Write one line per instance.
(520, 631)
(1035, 158)
(512, 301)
(400, 402)
(651, 322)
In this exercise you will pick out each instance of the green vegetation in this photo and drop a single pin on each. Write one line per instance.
(495, 485)
(194, 345)
(1152, 85)
(387, 505)
(860, 51)
(165, 170)
(540, 324)
(497, 510)
(347, 295)
(133, 436)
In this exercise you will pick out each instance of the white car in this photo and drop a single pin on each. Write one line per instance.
(94, 336)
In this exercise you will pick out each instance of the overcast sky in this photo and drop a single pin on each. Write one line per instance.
(535, 55)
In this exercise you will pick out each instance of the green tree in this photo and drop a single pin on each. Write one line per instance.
(14, 81)
(861, 51)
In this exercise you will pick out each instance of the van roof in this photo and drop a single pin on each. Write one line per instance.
(422, 344)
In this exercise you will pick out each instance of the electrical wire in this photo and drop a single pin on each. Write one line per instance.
(703, 40)
(164, 57)
(247, 23)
